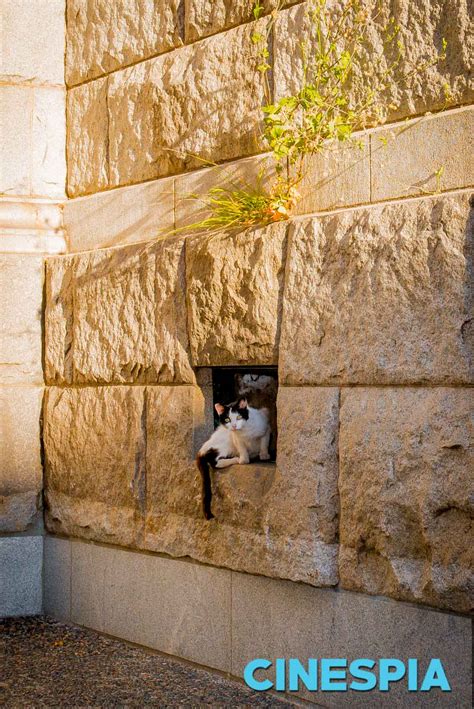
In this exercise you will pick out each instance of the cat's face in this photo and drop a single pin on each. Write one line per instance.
(235, 416)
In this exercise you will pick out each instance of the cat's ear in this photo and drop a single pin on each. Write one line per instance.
(219, 408)
(242, 403)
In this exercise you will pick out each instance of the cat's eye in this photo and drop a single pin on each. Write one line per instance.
(227, 420)
(239, 417)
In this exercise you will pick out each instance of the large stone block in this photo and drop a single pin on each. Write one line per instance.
(380, 296)
(177, 607)
(94, 444)
(423, 24)
(406, 491)
(274, 619)
(273, 520)
(16, 111)
(122, 216)
(21, 562)
(199, 102)
(21, 296)
(118, 315)
(192, 188)
(106, 35)
(21, 473)
(234, 293)
(336, 177)
(49, 141)
(405, 159)
(87, 138)
(32, 41)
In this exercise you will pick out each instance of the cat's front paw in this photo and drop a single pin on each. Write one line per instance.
(264, 456)
(244, 460)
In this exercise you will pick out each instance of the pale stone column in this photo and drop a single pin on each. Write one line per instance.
(32, 190)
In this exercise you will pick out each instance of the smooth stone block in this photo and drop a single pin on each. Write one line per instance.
(88, 569)
(380, 296)
(49, 141)
(21, 303)
(16, 112)
(57, 578)
(21, 565)
(337, 177)
(405, 159)
(192, 188)
(122, 216)
(21, 473)
(280, 619)
(177, 607)
(33, 35)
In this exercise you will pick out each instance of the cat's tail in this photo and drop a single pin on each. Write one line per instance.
(204, 462)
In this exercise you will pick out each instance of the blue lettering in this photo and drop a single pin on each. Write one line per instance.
(280, 674)
(390, 670)
(357, 670)
(328, 674)
(297, 672)
(250, 668)
(435, 677)
(412, 674)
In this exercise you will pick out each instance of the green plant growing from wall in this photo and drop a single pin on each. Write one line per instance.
(336, 99)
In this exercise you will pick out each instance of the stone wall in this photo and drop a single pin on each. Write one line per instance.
(365, 311)
(32, 187)
(364, 306)
(362, 299)
(32, 190)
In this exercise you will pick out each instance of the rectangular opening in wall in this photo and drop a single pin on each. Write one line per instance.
(258, 385)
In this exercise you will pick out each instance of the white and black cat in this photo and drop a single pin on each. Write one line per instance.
(243, 433)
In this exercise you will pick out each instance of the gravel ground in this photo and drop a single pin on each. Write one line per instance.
(44, 663)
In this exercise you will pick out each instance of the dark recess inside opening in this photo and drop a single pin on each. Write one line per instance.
(258, 384)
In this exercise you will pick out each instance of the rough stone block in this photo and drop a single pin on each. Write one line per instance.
(406, 494)
(21, 296)
(380, 296)
(201, 100)
(57, 578)
(234, 293)
(94, 445)
(48, 140)
(118, 315)
(191, 188)
(272, 520)
(21, 562)
(122, 216)
(16, 110)
(32, 41)
(406, 158)
(87, 138)
(423, 24)
(337, 177)
(203, 18)
(104, 35)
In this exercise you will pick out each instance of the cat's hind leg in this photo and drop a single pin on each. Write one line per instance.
(264, 442)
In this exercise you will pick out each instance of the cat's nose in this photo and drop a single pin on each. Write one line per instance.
(234, 427)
